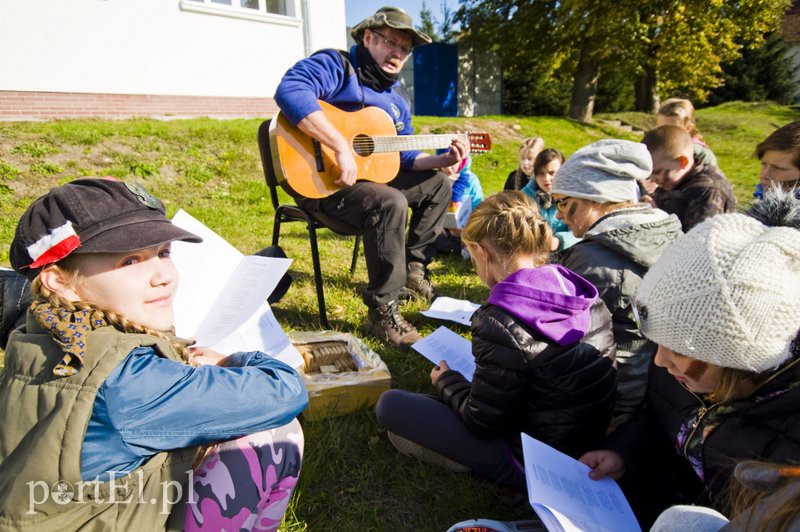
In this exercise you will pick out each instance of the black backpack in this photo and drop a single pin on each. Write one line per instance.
(15, 298)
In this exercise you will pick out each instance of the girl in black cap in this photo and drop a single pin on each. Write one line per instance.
(104, 411)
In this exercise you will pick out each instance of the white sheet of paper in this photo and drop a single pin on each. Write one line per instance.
(261, 332)
(220, 290)
(463, 212)
(204, 270)
(444, 344)
(565, 498)
(447, 308)
(248, 287)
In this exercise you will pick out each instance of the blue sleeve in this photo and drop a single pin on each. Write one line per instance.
(566, 238)
(407, 159)
(158, 404)
(468, 184)
(318, 77)
(475, 189)
(529, 190)
(460, 186)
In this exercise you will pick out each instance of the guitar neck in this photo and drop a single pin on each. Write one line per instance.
(386, 144)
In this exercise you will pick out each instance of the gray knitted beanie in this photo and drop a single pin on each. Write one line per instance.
(605, 171)
(728, 291)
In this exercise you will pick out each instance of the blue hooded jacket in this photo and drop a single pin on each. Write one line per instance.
(560, 229)
(467, 183)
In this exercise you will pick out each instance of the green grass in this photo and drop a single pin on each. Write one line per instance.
(352, 478)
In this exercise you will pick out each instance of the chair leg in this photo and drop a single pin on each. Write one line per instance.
(276, 229)
(323, 315)
(355, 255)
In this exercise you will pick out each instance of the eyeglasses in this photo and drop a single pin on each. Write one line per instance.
(560, 204)
(394, 45)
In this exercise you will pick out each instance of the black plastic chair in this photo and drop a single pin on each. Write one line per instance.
(285, 213)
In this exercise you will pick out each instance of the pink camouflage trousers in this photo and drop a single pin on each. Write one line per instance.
(246, 483)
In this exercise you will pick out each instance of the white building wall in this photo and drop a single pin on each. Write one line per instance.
(155, 46)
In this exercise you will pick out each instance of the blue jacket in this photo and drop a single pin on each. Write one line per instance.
(467, 183)
(323, 76)
(758, 193)
(150, 404)
(560, 229)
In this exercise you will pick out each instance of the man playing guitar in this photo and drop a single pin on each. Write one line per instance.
(369, 76)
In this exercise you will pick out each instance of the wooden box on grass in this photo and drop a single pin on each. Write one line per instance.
(342, 373)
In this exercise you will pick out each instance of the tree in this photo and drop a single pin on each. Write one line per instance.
(443, 31)
(764, 73)
(427, 22)
(532, 67)
(684, 44)
(447, 28)
(660, 45)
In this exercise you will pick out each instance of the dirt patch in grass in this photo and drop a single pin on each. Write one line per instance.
(500, 130)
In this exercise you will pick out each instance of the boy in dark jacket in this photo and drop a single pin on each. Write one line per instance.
(691, 190)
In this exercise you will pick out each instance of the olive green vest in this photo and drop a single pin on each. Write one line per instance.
(44, 420)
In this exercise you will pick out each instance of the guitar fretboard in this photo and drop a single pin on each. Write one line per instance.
(364, 145)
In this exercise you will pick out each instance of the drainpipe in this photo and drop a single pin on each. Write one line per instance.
(474, 81)
(306, 29)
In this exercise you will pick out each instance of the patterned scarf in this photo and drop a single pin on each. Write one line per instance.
(544, 199)
(69, 328)
(694, 447)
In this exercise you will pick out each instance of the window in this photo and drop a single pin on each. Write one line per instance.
(271, 10)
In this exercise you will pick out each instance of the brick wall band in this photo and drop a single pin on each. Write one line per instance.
(27, 105)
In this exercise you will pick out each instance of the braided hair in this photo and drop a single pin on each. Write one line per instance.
(510, 225)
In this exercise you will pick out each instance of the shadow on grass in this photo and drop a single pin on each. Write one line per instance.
(352, 474)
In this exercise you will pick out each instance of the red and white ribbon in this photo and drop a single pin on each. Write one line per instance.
(54, 246)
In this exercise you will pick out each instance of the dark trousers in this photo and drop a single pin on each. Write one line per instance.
(425, 420)
(382, 212)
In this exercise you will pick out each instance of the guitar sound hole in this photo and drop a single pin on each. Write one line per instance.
(363, 145)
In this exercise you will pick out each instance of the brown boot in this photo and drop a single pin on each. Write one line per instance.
(418, 283)
(386, 323)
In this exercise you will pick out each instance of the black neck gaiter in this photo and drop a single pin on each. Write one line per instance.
(370, 73)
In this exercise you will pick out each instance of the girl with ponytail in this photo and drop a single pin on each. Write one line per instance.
(544, 353)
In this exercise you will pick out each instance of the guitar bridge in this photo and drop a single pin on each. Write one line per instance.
(318, 155)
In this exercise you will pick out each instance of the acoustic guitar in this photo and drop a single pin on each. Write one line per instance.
(307, 168)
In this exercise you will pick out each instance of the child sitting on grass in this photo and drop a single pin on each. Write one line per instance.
(99, 398)
(528, 151)
(779, 155)
(464, 182)
(545, 168)
(680, 112)
(544, 353)
(689, 189)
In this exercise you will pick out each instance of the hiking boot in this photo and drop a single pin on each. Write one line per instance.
(423, 454)
(386, 323)
(418, 283)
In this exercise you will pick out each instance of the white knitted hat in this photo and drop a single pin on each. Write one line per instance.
(726, 293)
(605, 171)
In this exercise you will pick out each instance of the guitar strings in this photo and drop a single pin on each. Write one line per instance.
(393, 143)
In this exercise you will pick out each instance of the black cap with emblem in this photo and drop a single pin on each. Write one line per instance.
(93, 215)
